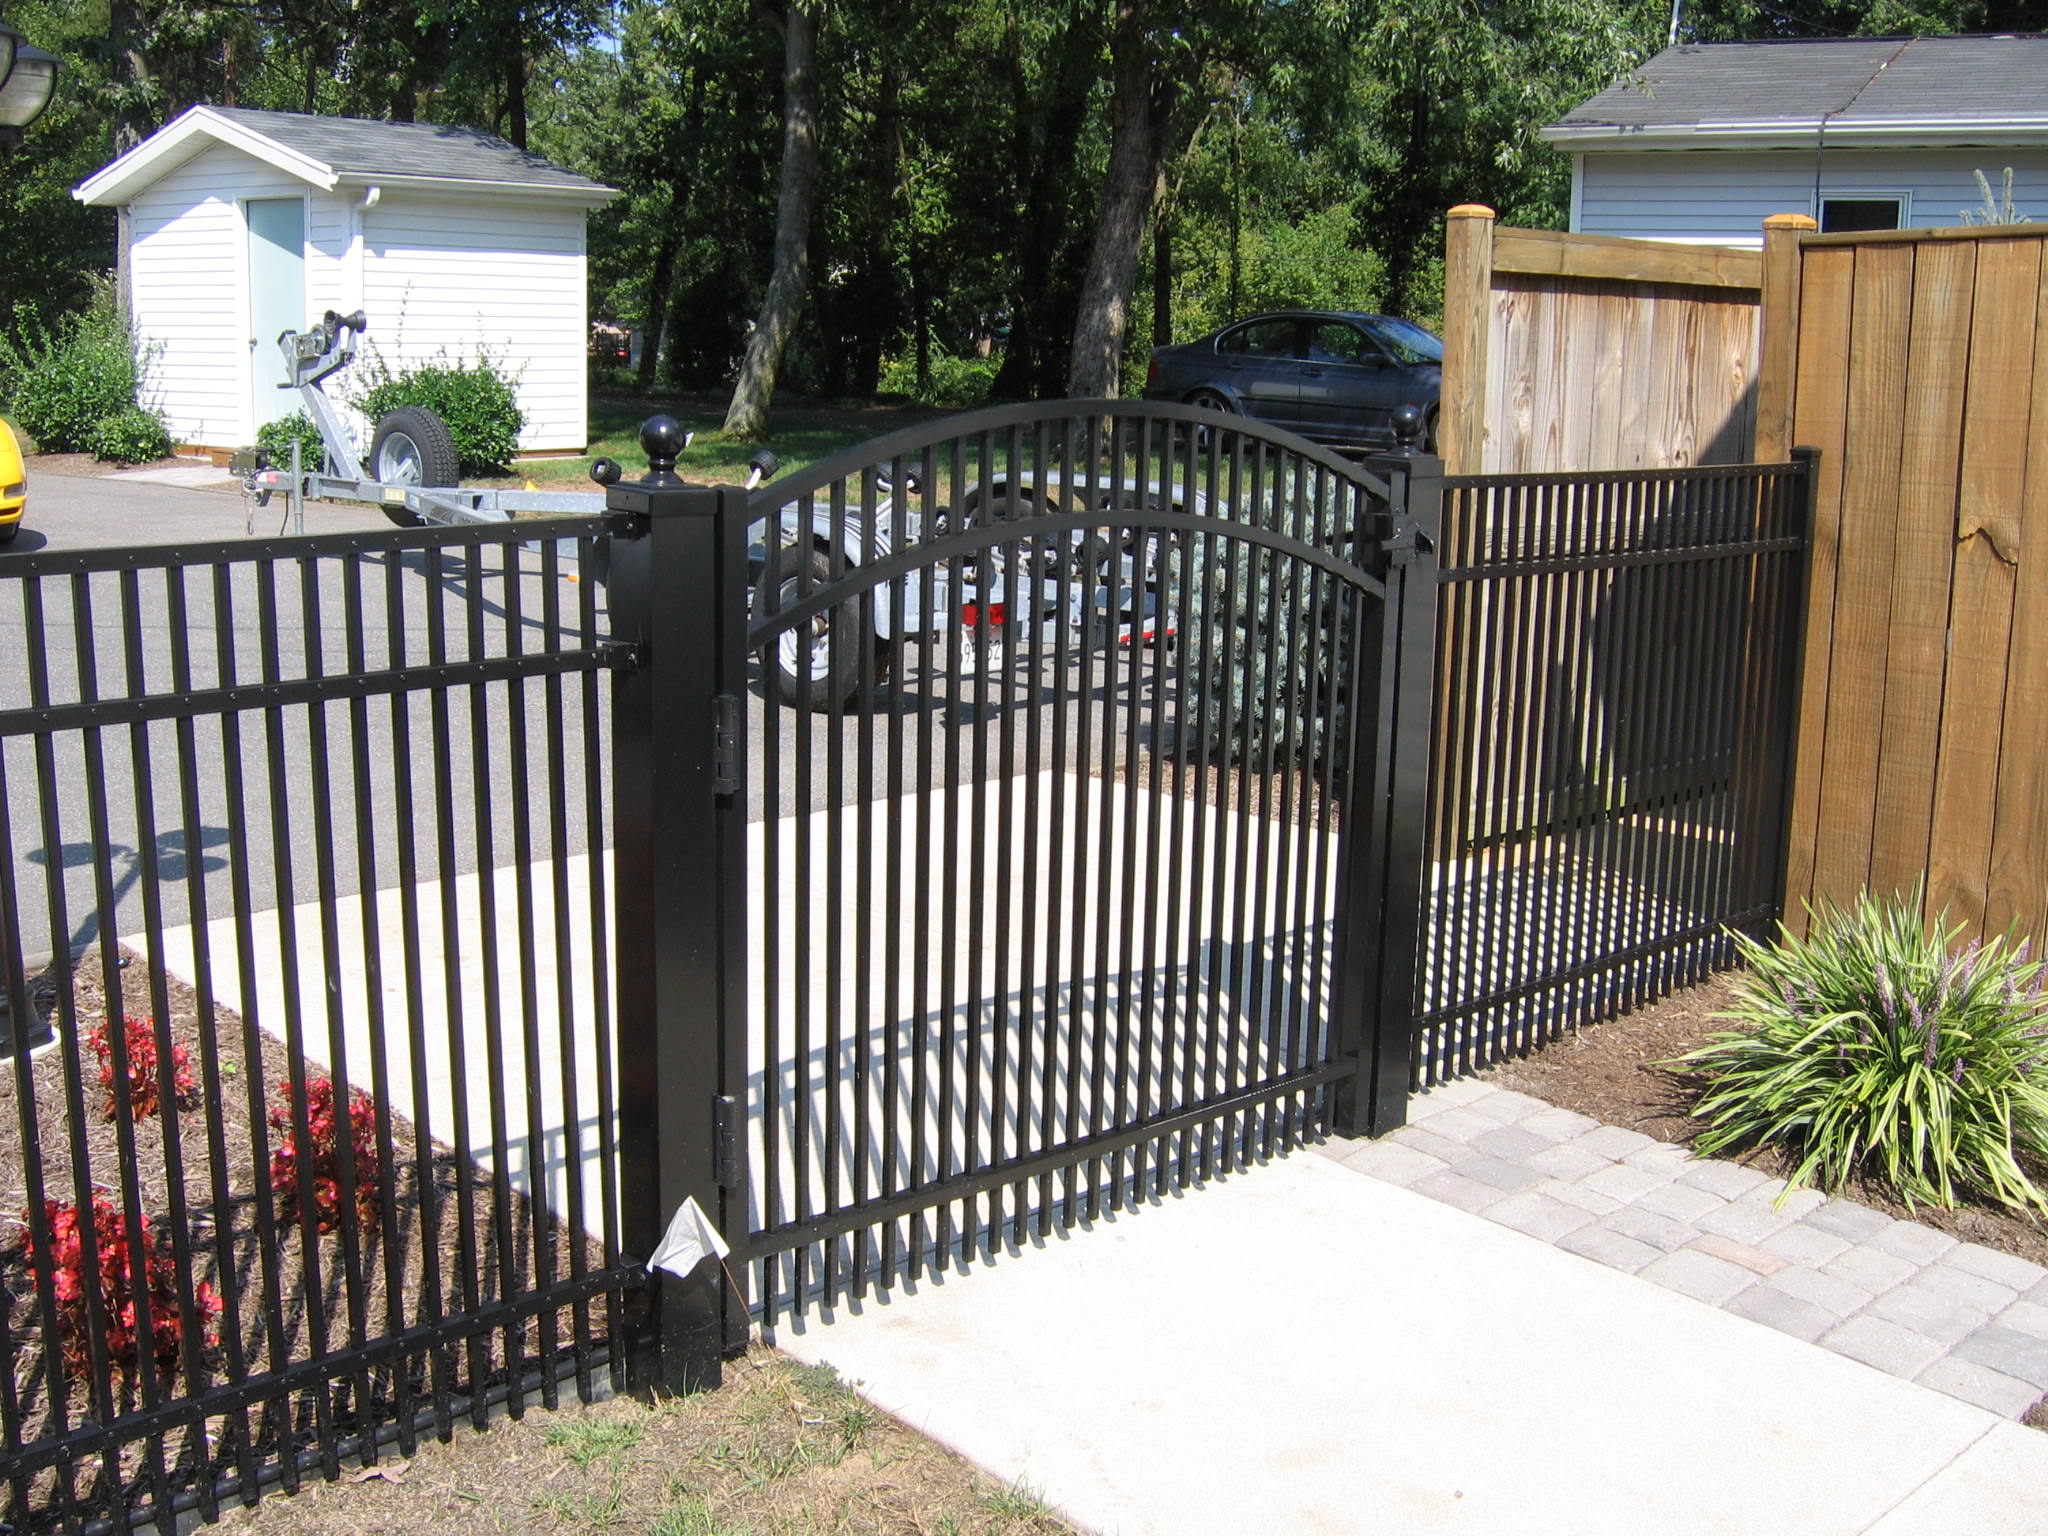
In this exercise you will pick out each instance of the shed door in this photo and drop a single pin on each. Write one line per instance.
(277, 297)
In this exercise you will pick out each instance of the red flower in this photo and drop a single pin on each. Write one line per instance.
(117, 1291)
(325, 1158)
(145, 1081)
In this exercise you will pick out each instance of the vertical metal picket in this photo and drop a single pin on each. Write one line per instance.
(676, 587)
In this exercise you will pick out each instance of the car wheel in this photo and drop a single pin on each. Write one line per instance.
(1210, 400)
(7, 533)
(1429, 430)
(412, 446)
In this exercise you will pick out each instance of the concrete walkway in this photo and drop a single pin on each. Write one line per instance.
(1304, 1347)
(1911, 1301)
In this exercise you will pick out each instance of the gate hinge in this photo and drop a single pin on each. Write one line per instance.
(1404, 541)
(725, 744)
(725, 1141)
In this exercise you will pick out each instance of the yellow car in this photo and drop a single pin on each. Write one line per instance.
(13, 484)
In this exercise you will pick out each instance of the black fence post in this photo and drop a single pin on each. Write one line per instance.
(1787, 720)
(1380, 949)
(676, 589)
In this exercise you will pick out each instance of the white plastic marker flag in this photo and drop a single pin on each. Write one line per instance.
(689, 1241)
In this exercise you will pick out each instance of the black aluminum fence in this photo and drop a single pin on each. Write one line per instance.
(304, 922)
(1087, 743)
(1616, 682)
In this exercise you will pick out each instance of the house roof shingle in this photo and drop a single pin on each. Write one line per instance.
(1874, 85)
(328, 151)
(353, 146)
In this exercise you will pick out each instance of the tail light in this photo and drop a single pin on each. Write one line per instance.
(976, 615)
(1152, 369)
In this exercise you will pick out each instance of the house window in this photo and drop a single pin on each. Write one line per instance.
(1849, 215)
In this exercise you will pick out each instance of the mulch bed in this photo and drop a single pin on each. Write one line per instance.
(289, 1293)
(1614, 1073)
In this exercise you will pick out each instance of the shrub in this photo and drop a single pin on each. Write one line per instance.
(117, 1291)
(955, 383)
(131, 436)
(478, 400)
(1267, 649)
(61, 381)
(1873, 1047)
(324, 1159)
(145, 1077)
(275, 437)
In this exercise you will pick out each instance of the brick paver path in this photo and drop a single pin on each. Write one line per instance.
(1961, 1318)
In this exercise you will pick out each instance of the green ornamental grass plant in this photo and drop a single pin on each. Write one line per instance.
(1873, 1046)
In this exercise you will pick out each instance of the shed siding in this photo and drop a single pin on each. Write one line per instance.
(1726, 195)
(187, 261)
(441, 275)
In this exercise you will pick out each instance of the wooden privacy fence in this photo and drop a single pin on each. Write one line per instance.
(1588, 352)
(1917, 362)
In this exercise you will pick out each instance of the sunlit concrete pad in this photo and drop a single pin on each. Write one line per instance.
(1301, 1348)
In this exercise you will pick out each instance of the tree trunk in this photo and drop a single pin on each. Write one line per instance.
(1045, 144)
(515, 82)
(658, 290)
(1093, 371)
(1162, 269)
(877, 286)
(776, 323)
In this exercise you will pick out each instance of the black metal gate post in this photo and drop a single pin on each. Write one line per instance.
(1385, 815)
(676, 589)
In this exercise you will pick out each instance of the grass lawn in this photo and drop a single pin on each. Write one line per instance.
(799, 433)
(781, 1449)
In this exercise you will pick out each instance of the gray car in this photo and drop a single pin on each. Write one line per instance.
(1334, 376)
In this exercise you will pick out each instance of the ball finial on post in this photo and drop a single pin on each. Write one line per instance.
(1407, 429)
(663, 439)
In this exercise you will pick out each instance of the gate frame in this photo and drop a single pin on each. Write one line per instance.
(678, 585)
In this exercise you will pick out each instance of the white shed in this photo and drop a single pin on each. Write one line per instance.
(1708, 140)
(239, 224)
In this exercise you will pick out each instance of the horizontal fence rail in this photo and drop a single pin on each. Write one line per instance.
(1616, 671)
(307, 1140)
(1062, 722)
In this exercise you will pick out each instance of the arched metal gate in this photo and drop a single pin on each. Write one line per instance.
(1073, 741)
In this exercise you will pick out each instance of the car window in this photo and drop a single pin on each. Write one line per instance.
(1336, 341)
(1409, 342)
(1262, 338)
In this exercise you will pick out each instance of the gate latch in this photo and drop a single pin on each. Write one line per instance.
(1404, 541)
(725, 1141)
(725, 744)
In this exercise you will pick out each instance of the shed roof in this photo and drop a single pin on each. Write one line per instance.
(338, 151)
(1902, 91)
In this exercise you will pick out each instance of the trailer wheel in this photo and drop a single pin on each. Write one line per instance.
(807, 666)
(412, 446)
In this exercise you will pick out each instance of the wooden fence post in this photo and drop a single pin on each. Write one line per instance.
(1778, 341)
(1468, 303)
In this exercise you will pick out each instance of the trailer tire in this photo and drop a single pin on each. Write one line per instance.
(807, 667)
(412, 446)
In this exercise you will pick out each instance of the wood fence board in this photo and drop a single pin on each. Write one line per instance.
(1827, 287)
(1667, 394)
(1511, 364)
(1638, 359)
(1923, 563)
(1608, 313)
(1553, 253)
(2018, 893)
(1863, 572)
(1988, 507)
